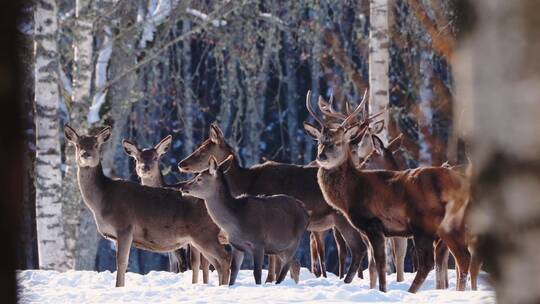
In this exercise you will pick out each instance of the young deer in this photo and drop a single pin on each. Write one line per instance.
(392, 203)
(147, 168)
(254, 224)
(154, 219)
(271, 178)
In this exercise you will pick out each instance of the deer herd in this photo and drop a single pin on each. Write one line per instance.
(357, 187)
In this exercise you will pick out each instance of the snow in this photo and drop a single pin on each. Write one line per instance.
(157, 14)
(101, 77)
(41, 286)
(205, 17)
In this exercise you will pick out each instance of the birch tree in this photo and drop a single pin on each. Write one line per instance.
(50, 230)
(379, 59)
(499, 72)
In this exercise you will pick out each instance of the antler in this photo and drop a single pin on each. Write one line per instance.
(310, 110)
(328, 108)
(357, 110)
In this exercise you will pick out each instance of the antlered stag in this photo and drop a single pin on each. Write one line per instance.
(254, 224)
(147, 168)
(271, 178)
(391, 203)
(369, 152)
(154, 219)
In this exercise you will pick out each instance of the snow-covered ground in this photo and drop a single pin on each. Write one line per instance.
(37, 286)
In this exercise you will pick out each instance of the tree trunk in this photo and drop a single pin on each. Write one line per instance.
(498, 71)
(379, 60)
(76, 214)
(50, 231)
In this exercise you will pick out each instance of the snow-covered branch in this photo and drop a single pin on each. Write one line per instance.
(204, 17)
(158, 11)
(101, 78)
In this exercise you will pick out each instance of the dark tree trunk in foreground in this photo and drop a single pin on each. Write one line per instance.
(500, 62)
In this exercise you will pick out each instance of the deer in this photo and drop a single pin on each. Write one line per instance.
(369, 152)
(382, 203)
(254, 224)
(271, 178)
(149, 173)
(149, 218)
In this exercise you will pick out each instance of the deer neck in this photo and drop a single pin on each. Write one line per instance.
(335, 183)
(154, 180)
(238, 178)
(221, 205)
(92, 183)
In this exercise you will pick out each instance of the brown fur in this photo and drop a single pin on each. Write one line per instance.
(392, 203)
(147, 168)
(271, 178)
(254, 224)
(154, 219)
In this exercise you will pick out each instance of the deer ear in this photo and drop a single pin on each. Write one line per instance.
(312, 131)
(130, 148)
(396, 143)
(377, 127)
(216, 135)
(212, 165)
(164, 145)
(353, 133)
(104, 135)
(378, 144)
(70, 134)
(226, 164)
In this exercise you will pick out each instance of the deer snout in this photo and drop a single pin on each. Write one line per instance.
(322, 156)
(85, 155)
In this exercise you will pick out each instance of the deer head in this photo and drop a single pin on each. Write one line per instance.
(147, 160)
(208, 180)
(215, 146)
(87, 147)
(334, 143)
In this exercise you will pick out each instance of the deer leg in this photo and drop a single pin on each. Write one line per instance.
(271, 277)
(462, 257)
(474, 267)
(286, 259)
(205, 265)
(195, 265)
(441, 265)
(123, 244)
(295, 271)
(372, 268)
(400, 250)
(354, 241)
(321, 252)
(342, 253)
(174, 263)
(424, 249)
(314, 255)
(377, 240)
(258, 259)
(237, 258)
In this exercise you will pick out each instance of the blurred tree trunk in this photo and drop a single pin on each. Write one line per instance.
(187, 102)
(73, 208)
(498, 70)
(379, 60)
(50, 231)
(292, 97)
